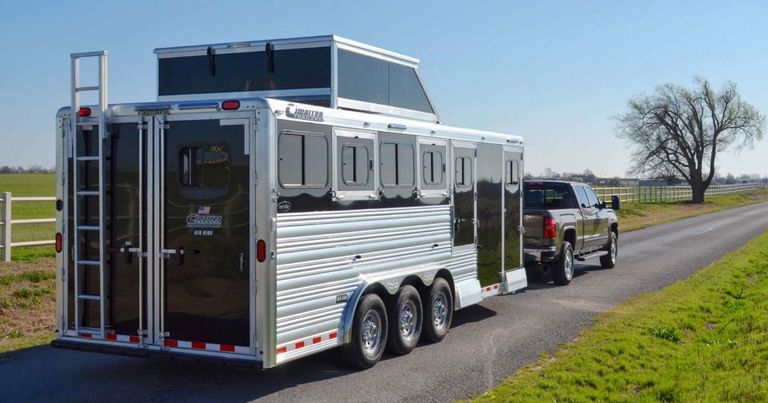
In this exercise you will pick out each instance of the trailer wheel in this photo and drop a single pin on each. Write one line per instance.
(406, 315)
(438, 311)
(562, 270)
(609, 261)
(369, 333)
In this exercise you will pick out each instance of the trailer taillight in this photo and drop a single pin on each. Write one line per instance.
(58, 242)
(84, 112)
(261, 250)
(550, 228)
(231, 105)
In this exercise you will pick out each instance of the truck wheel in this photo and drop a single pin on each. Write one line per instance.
(438, 311)
(369, 334)
(562, 270)
(609, 261)
(406, 315)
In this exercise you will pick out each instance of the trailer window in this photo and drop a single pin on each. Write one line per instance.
(463, 172)
(513, 173)
(204, 166)
(369, 79)
(432, 161)
(245, 71)
(396, 164)
(302, 160)
(355, 164)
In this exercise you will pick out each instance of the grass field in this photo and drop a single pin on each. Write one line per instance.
(27, 298)
(636, 216)
(31, 185)
(701, 339)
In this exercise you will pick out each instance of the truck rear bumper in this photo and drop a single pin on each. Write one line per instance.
(540, 255)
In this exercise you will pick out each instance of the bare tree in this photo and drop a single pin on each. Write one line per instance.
(682, 130)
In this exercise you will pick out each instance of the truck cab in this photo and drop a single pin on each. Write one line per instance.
(564, 222)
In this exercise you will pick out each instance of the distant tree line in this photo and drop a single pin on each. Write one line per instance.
(32, 169)
(587, 176)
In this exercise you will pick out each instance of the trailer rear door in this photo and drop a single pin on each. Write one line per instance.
(204, 233)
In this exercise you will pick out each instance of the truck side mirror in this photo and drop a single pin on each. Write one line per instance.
(615, 202)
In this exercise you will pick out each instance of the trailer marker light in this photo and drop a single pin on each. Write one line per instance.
(231, 105)
(58, 242)
(84, 112)
(261, 250)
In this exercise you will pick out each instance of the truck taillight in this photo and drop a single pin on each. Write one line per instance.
(58, 242)
(261, 250)
(550, 228)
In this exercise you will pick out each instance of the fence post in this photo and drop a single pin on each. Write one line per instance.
(7, 226)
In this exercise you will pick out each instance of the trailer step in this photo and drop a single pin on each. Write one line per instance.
(87, 193)
(88, 158)
(89, 297)
(591, 255)
(89, 88)
(88, 262)
(88, 227)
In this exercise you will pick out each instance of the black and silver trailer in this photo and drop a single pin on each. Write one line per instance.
(279, 198)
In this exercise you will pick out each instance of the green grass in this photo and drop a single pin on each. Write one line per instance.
(636, 216)
(31, 185)
(27, 304)
(701, 339)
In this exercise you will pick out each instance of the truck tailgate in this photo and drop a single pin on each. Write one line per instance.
(533, 222)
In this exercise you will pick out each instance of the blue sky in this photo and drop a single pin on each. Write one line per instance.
(553, 72)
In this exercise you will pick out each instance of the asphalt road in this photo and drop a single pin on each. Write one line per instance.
(487, 342)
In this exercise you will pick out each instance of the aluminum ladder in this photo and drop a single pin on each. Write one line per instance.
(83, 228)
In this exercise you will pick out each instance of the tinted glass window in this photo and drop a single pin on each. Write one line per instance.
(363, 78)
(247, 71)
(512, 172)
(354, 164)
(581, 195)
(302, 160)
(396, 164)
(432, 162)
(368, 79)
(591, 196)
(204, 166)
(548, 196)
(463, 172)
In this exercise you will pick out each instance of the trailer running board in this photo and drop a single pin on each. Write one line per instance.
(591, 255)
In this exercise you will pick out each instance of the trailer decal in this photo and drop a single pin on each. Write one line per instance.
(201, 345)
(112, 337)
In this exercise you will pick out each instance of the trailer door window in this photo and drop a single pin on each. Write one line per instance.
(463, 172)
(355, 164)
(302, 160)
(396, 164)
(205, 166)
(432, 162)
(512, 172)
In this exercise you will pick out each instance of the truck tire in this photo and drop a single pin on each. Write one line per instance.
(438, 311)
(406, 315)
(369, 334)
(609, 261)
(562, 269)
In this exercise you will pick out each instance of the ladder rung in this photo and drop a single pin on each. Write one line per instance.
(90, 88)
(88, 228)
(87, 192)
(88, 158)
(89, 297)
(88, 262)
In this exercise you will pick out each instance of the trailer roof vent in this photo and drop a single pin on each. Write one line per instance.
(328, 70)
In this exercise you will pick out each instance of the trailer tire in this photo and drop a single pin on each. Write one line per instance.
(438, 312)
(406, 315)
(609, 261)
(562, 269)
(369, 334)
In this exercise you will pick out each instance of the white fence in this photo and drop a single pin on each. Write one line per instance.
(655, 194)
(7, 223)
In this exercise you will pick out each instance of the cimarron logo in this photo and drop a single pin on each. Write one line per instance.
(204, 221)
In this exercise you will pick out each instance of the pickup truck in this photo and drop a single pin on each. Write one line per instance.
(564, 222)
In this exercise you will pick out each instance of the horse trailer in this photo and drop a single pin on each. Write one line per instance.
(278, 199)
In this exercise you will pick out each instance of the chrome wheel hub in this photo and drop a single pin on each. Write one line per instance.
(440, 311)
(568, 265)
(370, 333)
(408, 319)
